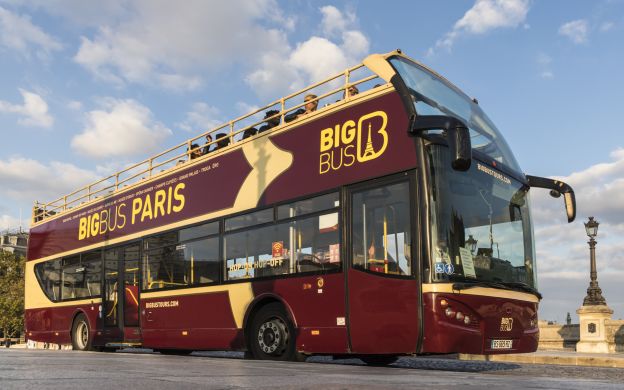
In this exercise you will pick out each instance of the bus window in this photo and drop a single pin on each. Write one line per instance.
(201, 259)
(316, 242)
(266, 251)
(164, 268)
(91, 264)
(49, 276)
(71, 278)
(256, 252)
(308, 206)
(204, 230)
(381, 230)
(250, 219)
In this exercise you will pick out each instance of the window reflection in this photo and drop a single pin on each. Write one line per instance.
(381, 230)
(268, 251)
(480, 223)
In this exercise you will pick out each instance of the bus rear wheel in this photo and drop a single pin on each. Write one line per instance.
(272, 335)
(379, 360)
(81, 335)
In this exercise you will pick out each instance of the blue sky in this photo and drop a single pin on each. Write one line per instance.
(88, 87)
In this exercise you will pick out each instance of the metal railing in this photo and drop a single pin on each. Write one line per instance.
(334, 88)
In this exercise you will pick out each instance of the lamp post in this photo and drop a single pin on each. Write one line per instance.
(594, 293)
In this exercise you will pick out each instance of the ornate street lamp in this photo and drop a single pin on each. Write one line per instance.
(472, 243)
(594, 293)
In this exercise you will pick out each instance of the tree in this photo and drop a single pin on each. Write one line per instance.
(11, 294)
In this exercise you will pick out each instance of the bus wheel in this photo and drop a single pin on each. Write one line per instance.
(379, 360)
(272, 335)
(81, 336)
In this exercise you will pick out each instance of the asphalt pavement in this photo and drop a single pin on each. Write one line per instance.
(144, 369)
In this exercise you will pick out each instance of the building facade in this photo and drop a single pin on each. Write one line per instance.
(14, 242)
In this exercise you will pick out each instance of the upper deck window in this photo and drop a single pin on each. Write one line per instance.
(308, 206)
(249, 219)
(435, 96)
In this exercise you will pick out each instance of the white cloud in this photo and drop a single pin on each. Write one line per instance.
(201, 118)
(484, 16)
(25, 178)
(607, 26)
(79, 12)
(20, 34)
(313, 59)
(34, 111)
(121, 128)
(9, 222)
(562, 251)
(544, 62)
(576, 30)
(74, 105)
(245, 108)
(151, 46)
(544, 59)
(335, 22)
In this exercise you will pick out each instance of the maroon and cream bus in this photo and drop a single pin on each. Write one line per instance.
(393, 221)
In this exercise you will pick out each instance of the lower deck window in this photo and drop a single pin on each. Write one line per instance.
(182, 264)
(381, 230)
(304, 245)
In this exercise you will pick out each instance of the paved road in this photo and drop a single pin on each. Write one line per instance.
(43, 369)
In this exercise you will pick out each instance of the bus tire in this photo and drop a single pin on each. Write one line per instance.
(81, 334)
(379, 360)
(272, 335)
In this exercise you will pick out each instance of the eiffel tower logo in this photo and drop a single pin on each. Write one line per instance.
(369, 151)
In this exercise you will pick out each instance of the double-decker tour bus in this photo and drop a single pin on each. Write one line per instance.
(390, 219)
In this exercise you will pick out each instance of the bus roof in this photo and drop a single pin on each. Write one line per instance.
(371, 73)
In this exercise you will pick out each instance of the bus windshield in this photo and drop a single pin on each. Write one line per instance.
(481, 227)
(435, 96)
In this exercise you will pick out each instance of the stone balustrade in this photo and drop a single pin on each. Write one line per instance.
(555, 336)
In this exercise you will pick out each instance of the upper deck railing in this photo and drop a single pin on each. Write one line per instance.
(328, 91)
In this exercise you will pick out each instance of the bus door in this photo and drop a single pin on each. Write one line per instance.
(382, 287)
(121, 291)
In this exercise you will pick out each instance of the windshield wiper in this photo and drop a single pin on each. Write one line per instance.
(514, 286)
(525, 287)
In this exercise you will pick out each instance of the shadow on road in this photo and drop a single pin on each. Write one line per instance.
(441, 363)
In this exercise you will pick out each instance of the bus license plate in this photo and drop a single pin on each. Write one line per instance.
(501, 344)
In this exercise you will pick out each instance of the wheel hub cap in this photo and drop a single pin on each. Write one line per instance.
(272, 336)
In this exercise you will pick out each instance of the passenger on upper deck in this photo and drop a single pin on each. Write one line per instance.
(250, 132)
(271, 123)
(206, 149)
(223, 140)
(195, 151)
(352, 90)
(311, 103)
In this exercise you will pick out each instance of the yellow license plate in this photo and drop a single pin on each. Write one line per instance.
(501, 344)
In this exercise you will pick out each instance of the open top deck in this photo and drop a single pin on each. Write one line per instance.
(329, 91)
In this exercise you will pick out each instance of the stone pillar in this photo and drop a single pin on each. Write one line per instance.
(593, 332)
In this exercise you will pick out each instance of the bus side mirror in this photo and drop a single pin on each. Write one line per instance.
(557, 188)
(458, 137)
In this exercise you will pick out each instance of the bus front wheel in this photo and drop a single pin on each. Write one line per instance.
(272, 335)
(81, 335)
